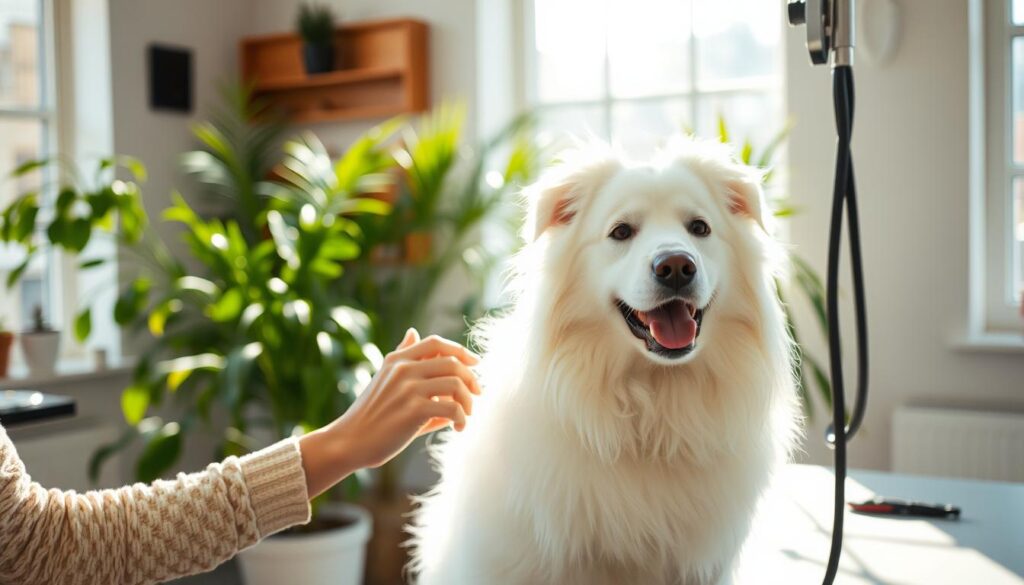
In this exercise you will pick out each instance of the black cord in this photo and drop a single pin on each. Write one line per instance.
(844, 193)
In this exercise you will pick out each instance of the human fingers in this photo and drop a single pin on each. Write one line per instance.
(448, 387)
(411, 337)
(440, 367)
(445, 409)
(435, 346)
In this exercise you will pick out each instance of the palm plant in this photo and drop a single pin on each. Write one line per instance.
(240, 144)
(440, 196)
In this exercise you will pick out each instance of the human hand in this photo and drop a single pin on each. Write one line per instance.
(424, 385)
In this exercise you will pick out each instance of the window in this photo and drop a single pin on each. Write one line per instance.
(636, 71)
(26, 133)
(1003, 276)
(1016, 163)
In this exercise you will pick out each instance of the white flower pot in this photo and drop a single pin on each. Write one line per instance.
(332, 557)
(40, 349)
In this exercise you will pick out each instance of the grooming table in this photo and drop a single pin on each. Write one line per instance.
(790, 539)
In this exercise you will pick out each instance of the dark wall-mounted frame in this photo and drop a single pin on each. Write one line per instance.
(170, 78)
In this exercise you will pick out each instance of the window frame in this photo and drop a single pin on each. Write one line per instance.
(998, 308)
(695, 95)
(60, 272)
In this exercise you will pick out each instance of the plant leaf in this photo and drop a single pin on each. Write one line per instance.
(228, 307)
(132, 301)
(29, 166)
(159, 454)
(91, 263)
(83, 325)
(100, 456)
(134, 402)
(15, 274)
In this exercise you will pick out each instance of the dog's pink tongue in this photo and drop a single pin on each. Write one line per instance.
(672, 326)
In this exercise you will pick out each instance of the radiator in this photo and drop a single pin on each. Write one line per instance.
(958, 443)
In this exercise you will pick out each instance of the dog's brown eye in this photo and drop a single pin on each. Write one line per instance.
(700, 228)
(622, 231)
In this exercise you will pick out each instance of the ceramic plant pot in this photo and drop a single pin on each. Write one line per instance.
(330, 557)
(318, 58)
(6, 342)
(41, 349)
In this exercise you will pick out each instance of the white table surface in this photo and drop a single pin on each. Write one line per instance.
(790, 539)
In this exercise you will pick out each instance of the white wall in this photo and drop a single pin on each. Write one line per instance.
(911, 153)
(211, 30)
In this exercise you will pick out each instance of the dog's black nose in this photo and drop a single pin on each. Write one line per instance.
(674, 269)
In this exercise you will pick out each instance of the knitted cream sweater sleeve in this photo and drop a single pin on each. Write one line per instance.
(145, 533)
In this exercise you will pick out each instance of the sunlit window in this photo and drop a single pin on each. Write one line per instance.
(634, 72)
(26, 130)
(1016, 164)
(999, 235)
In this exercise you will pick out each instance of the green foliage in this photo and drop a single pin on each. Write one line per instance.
(445, 193)
(315, 23)
(806, 281)
(240, 145)
(440, 191)
(279, 319)
(80, 211)
(259, 331)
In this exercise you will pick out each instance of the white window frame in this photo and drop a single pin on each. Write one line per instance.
(60, 271)
(993, 319)
(696, 89)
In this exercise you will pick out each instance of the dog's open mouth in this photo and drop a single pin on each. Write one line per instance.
(669, 330)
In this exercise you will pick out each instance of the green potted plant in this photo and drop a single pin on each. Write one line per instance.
(315, 24)
(436, 192)
(250, 341)
(6, 342)
(260, 325)
(40, 345)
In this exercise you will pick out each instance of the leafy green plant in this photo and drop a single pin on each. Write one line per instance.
(268, 329)
(315, 24)
(257, 336)
(805, 281)
(240, 145)
(440, 203)
(441, 193)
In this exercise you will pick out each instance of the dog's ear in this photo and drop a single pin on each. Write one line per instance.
(716, 164)
(555, 199)
(746, 198)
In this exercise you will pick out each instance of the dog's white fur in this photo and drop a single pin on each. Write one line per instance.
(590, 460)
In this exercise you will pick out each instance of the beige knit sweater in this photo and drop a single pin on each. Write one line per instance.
(145, 533)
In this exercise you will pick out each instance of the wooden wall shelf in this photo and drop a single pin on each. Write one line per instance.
(382, 70)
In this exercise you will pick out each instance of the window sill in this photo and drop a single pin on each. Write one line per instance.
(991, 342)
(68, 371)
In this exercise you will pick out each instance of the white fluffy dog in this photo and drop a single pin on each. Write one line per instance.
(636, 399)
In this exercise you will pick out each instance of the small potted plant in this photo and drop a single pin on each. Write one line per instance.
(316, 27)
(6, 341)
(40, 345)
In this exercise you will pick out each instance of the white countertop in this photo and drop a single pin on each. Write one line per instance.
(790, 540)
